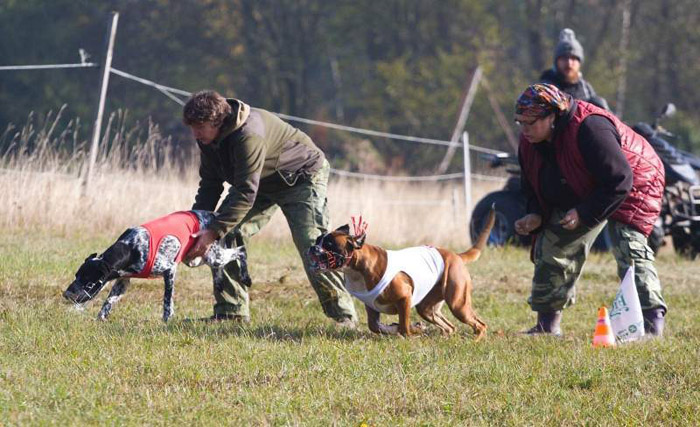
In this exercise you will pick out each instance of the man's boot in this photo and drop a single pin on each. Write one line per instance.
(548, 323)
(654, 321)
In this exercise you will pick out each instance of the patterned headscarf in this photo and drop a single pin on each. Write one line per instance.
(541, 100)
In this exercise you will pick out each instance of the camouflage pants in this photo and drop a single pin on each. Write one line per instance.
(305, 208)
(559, 256)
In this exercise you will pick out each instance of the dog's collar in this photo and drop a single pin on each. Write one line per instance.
(107, 270)
(348, 258)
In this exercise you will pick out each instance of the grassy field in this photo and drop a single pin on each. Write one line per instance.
(290, 366)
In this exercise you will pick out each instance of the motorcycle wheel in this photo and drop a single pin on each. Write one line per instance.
(510, 206)
(682, 243)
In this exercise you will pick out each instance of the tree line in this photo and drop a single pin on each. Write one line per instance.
(399, 66)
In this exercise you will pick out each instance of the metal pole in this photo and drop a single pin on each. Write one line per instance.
(467, 177)
(101, 106)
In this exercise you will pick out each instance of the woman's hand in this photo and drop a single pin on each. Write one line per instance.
(526, 224)
(570, 220)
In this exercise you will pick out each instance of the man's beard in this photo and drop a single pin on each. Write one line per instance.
(571, 76)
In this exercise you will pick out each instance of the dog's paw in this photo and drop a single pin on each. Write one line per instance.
(418, 328)
(77, 308)
(392, 329)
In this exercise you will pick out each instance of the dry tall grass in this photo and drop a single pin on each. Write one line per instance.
(140, 176)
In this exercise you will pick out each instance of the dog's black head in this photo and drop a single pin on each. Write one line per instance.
(334, 250)
(89, 280)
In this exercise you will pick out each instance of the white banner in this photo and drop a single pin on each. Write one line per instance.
(626, 313)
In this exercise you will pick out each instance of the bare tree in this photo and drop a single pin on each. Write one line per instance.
(535, 36)
(622, 69)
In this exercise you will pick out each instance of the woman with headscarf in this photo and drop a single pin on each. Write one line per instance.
(581, 166)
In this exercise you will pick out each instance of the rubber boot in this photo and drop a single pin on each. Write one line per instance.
(548, 323)
(654, 321)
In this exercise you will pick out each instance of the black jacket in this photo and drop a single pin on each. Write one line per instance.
(254, 152)
(580, 90)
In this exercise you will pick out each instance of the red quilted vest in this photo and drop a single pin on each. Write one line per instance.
(180, 225)
(642, 205)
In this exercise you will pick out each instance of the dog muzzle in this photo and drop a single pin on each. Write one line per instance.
(79, 293)
(322, 259)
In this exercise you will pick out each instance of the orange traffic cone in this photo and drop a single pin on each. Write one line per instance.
(603, 335)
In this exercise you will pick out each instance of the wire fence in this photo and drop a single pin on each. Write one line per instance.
(171, 93)
(175, 95)
(353, 129)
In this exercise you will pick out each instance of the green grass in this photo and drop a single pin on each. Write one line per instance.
(291, 366)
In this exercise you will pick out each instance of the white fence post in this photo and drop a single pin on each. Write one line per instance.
(467, 177)
(107, 67)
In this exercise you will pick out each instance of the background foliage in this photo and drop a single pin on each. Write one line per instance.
(395, 65)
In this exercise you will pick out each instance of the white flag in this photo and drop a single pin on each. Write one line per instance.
(626, 314)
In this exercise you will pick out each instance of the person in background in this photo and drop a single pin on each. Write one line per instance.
(583, 167)
(269, 165)
(566, 71)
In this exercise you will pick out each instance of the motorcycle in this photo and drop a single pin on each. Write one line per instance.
(680, 211)
(510, 205)
(680, 214)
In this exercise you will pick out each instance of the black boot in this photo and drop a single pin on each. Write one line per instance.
(654, 321)
(548, 323)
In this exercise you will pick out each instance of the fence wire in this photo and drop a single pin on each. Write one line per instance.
(172, 93)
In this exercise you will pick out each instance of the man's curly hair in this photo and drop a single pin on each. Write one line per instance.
(206, 106)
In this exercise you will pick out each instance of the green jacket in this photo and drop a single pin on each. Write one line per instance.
(254, 152)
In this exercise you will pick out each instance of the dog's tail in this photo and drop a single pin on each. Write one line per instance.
(475, 251)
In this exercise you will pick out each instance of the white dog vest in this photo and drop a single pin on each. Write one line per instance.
(423, 264)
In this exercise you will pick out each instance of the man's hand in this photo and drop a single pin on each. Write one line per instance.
(526, 224)
(204, 239)
(570, 220)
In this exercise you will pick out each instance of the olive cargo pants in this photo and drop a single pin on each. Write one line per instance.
(305, 207)
(559, 256)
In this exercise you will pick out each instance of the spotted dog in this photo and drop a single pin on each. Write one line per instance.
(151, 250)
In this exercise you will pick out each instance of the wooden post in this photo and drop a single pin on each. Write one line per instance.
(462, 119)
(500, 117)
(106, 69)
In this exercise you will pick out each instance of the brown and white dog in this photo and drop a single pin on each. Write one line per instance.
(387, 281)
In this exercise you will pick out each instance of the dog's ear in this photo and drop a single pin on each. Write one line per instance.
(345, 229)
(91, 256)
(119, 255)
(356, 242)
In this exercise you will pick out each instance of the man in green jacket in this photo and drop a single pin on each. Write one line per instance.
(269, 165)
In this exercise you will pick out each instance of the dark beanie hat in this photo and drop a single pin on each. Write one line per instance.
(568, 45)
